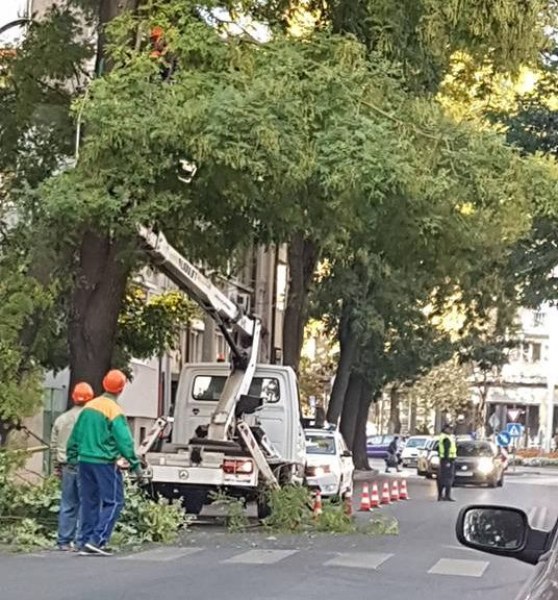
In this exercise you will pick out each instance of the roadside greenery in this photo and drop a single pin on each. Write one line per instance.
(29, 512)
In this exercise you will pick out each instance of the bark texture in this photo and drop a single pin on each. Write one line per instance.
(348, 344)
(99, 289)
(303, 257)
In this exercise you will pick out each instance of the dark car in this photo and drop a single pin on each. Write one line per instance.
(377, 445)
(505, 531)
(479, 463)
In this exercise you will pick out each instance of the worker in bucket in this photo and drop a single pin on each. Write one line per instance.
(99, 442)
(68, 533)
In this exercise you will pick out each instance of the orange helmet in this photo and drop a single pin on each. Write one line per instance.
(114, 381)
(156, 33)
(82, 393)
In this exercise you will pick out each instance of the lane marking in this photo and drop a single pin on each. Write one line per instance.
(162, 554)
(459, 568)
(362, 560)
(260, 557)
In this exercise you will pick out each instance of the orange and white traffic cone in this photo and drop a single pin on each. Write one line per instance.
(375, 496)
(317, 509)
(403, 493)
(395, 491)
(348, 503)
(365, 499)
(385, 494)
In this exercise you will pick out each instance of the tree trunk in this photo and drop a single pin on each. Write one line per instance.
(99, 289)
(303, 256)
(106, 12)
(348, 343)
(394, 412)
(350, 408)
(360, 457)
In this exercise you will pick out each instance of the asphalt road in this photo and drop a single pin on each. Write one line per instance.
(423, 561)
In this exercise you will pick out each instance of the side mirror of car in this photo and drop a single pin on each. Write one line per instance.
(347, 454)
(503, 531)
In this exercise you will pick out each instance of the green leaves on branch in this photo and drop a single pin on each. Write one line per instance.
(149, 327)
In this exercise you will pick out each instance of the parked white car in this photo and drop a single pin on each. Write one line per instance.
(412, 449)
(329, 462)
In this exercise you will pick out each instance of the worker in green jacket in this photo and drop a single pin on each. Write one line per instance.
(100, 439)
(447, 452)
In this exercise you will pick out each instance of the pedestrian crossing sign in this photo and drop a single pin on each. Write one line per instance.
(514, 429)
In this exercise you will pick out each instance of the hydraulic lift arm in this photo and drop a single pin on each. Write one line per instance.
(228, 316)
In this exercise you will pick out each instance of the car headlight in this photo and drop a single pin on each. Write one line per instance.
(435, 461)
(317, 471)
(485, 466)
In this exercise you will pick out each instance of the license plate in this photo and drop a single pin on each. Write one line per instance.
(465, 474)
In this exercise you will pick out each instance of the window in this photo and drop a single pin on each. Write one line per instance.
(208, 388)
(535, 353)
(416, 442)
(473, 449)
(538, 318)
(319, 444)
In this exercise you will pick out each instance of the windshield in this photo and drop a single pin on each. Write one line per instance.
(320, 444)
(208, 388)
(473, 449)
(416, 443)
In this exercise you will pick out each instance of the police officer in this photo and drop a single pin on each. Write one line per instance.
(447, 451)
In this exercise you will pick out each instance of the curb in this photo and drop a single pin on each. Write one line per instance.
(365, 475)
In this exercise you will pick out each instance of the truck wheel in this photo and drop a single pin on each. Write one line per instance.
(263, 507)
(428, 475)
(501, 482)
(194, 501)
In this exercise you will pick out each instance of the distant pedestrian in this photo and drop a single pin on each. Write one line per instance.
(447, 452)
(69, 535)
(393, 458)
(100, 439)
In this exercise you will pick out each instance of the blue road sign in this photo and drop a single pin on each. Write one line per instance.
(514, 429)
(503, 439)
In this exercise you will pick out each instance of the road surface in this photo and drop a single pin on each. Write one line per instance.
(423, 561)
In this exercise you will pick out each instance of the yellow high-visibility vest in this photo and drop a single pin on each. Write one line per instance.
(452, 449)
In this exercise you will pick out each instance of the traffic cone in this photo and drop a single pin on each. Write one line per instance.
(385, 494)
(348, 503)
(365, 499)
(395, 491)
(403, 493)
(317, 509)
(375, 497)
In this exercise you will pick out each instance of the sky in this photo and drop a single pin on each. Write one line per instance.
(9, 11)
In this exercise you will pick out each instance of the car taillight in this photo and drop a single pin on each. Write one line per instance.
(317, 471)
(231, 467)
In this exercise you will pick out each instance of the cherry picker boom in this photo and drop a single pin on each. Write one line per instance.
(229, 420)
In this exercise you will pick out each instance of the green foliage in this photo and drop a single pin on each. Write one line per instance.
(235, 511)
(29, 512)
(21, 299)
(423, 35)
(148, 327)
(143, 520)
(444, 387)
(290, 508)
(382, 526)
(334, 520)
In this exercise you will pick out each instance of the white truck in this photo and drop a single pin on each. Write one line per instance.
(235, 428)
